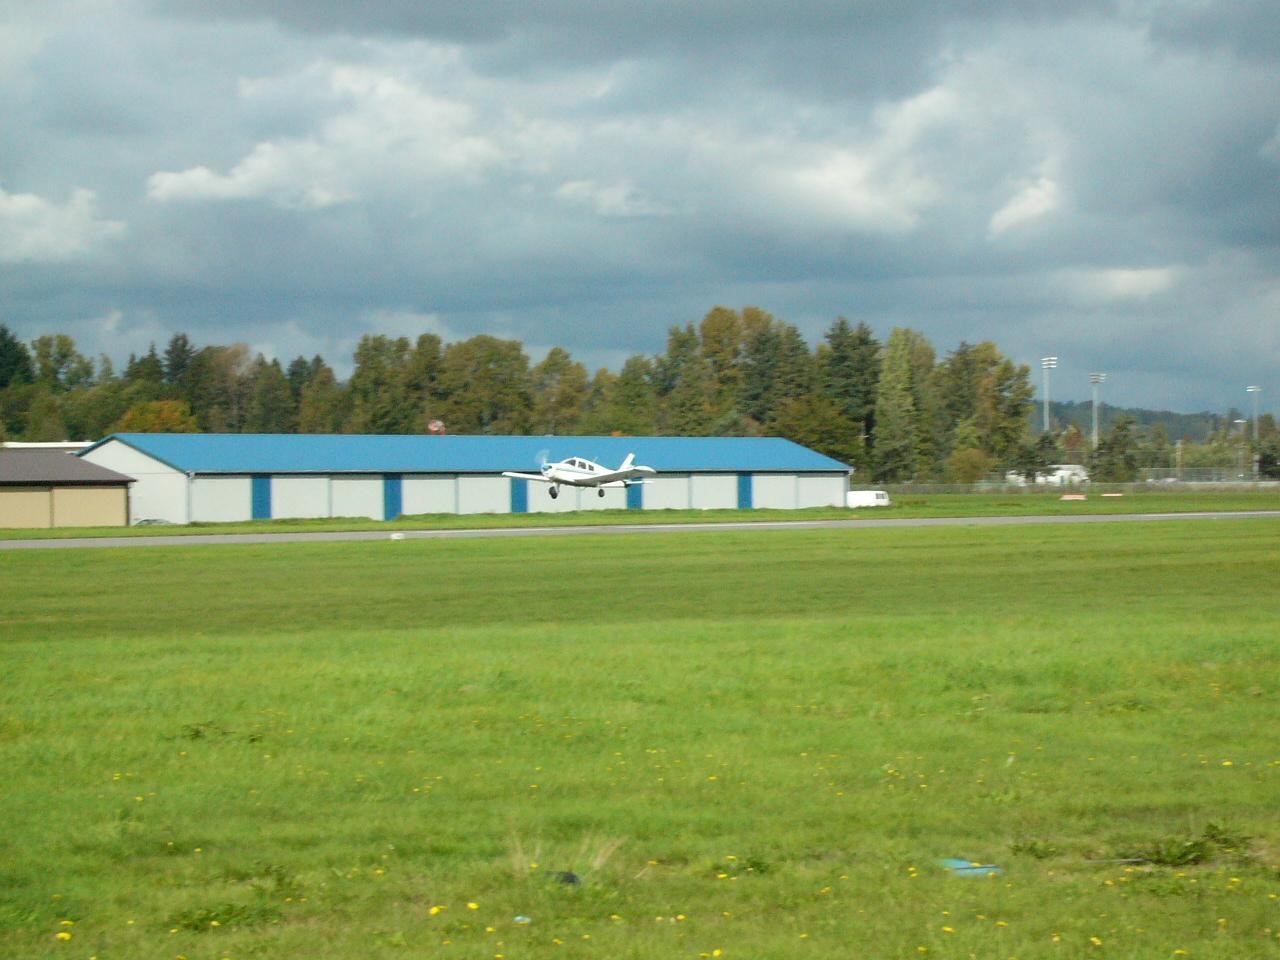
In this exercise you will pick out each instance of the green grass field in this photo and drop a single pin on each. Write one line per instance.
(741, 745)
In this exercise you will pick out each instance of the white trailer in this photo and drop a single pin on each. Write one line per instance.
(866, 498)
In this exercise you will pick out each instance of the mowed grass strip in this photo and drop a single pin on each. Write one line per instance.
(757, 744)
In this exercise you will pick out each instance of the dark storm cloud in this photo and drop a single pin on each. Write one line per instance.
(1092, 180)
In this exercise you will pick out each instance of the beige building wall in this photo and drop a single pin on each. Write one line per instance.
(25, 507)
(90, 507)
(44, 507)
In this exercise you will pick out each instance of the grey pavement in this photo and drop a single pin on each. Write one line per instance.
(207, 539)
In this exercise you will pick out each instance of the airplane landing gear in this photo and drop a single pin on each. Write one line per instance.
(555, 492)
(600, 492)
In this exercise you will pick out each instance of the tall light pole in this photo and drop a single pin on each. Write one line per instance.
(1257, 454)
(1095, 379)
(1048, 363)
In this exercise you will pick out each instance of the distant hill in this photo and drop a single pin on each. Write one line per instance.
(1194, 427)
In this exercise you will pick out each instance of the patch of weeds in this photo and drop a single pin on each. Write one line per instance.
(1228, 841)
(1214, 841)
(205, 730)
(1123, 702)
(1164, 884)
(1177, 851)
(1036, 849)
(268, 880)
(210, 730)
(226, 915)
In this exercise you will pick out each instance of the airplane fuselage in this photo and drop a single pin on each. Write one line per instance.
(578, 472)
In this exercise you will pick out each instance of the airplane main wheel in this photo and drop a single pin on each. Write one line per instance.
(600, 492)
(554, 493)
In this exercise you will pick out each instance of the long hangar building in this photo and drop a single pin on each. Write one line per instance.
(190, 478)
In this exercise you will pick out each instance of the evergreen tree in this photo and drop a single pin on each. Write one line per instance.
(15, 360)
(1035, 458)
(684, 386)
(271, 405)
(298, 373)
(177, 359)
(896, 420)
(380, 401)
(322, 403)
(849, 371)
(219, 380)
(761, 348)
(720, 336)
(145, 369)
(1113, 460)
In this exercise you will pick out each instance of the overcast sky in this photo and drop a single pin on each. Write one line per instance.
(1100, 184)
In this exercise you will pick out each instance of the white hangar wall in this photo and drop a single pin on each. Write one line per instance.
(422, 494)
(301, 497)
(221, 499)
(819, 491)
(353, 496)
(480, 494)
(165, 492)
(160, 492)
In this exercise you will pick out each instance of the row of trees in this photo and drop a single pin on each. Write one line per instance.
(894, 409)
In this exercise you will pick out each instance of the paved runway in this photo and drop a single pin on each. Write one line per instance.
(206, 539)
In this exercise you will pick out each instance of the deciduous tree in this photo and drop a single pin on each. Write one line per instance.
(559, 392)
(484, 386)
(158, 416)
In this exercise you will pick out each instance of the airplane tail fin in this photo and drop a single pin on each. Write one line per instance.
(628, 463)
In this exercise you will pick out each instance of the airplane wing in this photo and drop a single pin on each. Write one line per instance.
(526, 476)
(629, 474)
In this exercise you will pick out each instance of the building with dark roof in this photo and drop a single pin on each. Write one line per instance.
(186, 478)
(53, 488)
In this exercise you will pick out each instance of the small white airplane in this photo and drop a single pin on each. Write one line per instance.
(577, 472)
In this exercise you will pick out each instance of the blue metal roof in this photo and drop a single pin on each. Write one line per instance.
(347, 453)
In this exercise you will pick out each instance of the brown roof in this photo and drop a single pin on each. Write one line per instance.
(53, 468)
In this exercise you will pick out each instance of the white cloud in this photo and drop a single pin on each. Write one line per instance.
(618, 199)
(386, 134)
(880, 183)
(34, 230)
(1116, 284)
(1033, 201)
(109, 322)
(850, 189)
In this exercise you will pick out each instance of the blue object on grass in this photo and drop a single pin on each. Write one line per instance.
(970, 868)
